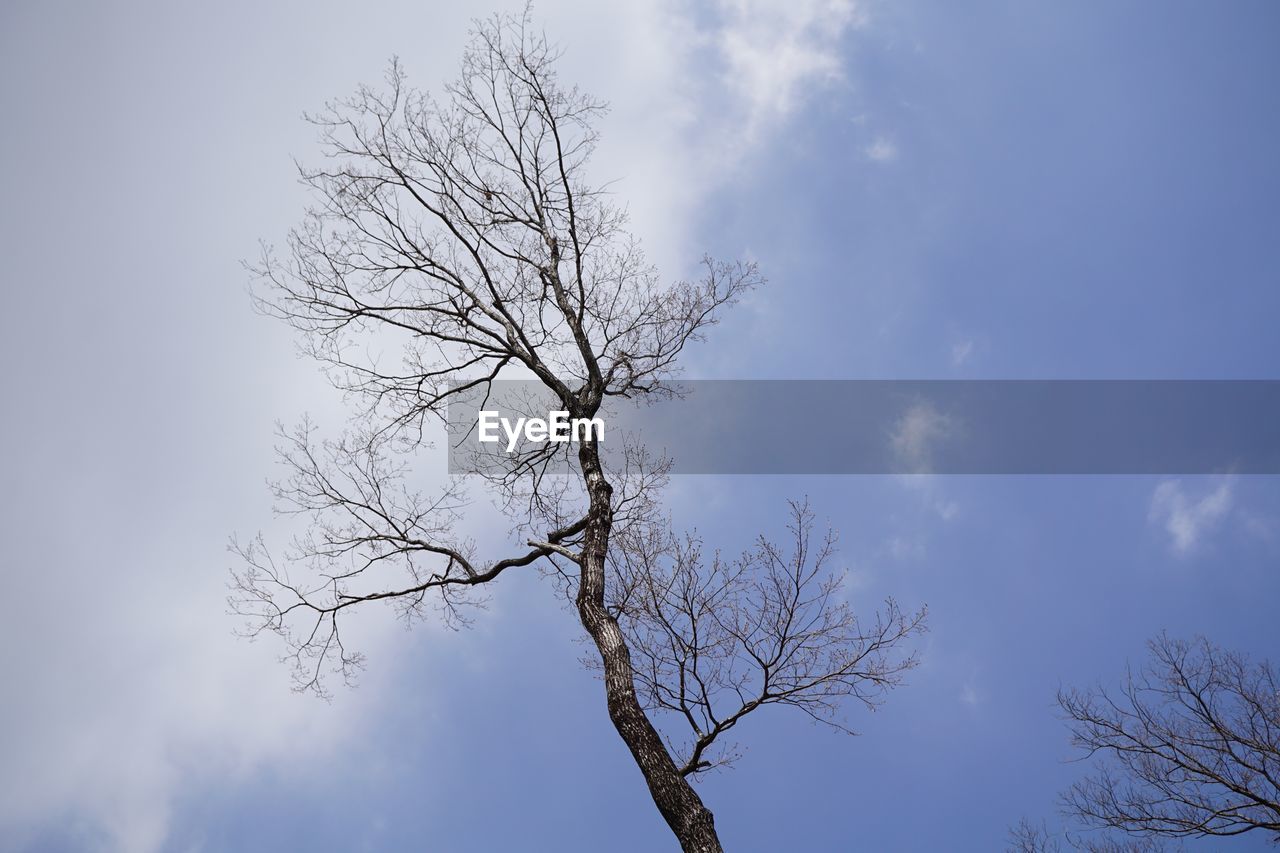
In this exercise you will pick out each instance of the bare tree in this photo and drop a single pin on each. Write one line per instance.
(714, 639)
(1028, 837)
(1190, 746)
(462, 237)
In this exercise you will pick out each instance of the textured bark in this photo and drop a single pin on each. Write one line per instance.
(681, 807)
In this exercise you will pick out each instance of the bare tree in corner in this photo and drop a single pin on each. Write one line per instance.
(462, 237)
(1028, 837)
(1190, 746)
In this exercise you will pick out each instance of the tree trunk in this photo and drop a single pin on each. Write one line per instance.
(680, 805)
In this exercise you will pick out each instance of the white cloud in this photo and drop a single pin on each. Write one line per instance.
(1185, 519)
(961, 352)
(881, 150)
(133, 689)
(913, 441)
(916, 435)
(694, 97)
(946, 509)
(903, 548)
(776, 53)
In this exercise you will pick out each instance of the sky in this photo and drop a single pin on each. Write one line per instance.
(999, 190)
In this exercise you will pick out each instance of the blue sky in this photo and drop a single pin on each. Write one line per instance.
(999, 190)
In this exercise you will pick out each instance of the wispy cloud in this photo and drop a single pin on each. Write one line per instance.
(775, 54)
(695, 96)
(916, 435)
(1188, 520)
(881, 150)
(902, 548)
(914, 439)
(961, 352)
